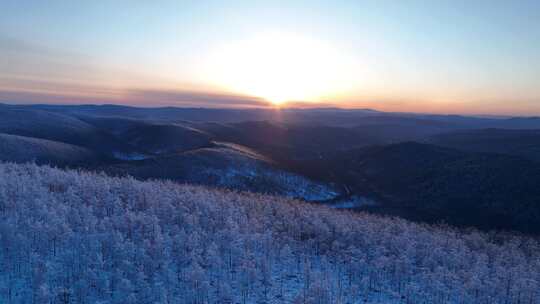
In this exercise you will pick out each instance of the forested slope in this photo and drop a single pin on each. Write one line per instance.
(429, 183)
(74, 237)
(16, 148)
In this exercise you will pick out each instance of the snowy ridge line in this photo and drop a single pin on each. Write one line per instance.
(76, 237)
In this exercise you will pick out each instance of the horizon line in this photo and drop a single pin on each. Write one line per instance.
(268, 108)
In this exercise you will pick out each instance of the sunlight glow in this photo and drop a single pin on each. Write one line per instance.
(281, 68)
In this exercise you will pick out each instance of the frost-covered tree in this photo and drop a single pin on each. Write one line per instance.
(75, 237)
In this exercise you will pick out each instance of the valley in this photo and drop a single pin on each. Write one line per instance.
(464, 171)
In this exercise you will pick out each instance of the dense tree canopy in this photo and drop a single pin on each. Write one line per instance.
(74, 237)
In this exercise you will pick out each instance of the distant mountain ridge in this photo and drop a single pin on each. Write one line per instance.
(328, 116)
(467, 171)
(524, 143)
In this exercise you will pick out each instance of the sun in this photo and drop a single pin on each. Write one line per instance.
(281, 68)
(276, 102)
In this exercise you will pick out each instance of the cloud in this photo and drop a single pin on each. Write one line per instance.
(32, 73)
(308, 104)
(19, 58)
(137, 97)
(28, 97)
(194, 98)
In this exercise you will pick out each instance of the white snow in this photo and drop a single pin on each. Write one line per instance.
(74, 237)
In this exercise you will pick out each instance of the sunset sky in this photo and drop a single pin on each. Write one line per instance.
(470, 57)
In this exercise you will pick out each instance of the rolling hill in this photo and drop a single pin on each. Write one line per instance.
(523, 143)
(431, 183)
(25, 121)
(229, 166)
(287, 142)
(20, 149)
(356, 159)
(165, 138)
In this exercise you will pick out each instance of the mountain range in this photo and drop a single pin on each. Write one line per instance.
(462, 170)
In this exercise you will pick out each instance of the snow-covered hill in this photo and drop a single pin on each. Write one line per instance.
(23, 149)
(58, 127)
(73, 237)
(228, 166)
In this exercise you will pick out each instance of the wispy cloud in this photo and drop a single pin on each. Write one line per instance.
(133, 97)
(23, 59)
(31, 73)
(194, 98)
(306, 104)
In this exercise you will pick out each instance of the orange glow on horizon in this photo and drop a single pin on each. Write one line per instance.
(280, 68)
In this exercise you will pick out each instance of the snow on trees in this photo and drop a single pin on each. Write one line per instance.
(75, 237)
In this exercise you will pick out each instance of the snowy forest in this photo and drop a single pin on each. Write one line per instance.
(77, 237)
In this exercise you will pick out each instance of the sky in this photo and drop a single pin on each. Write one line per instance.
(463, 57)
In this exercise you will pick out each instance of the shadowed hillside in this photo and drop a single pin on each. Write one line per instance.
(26, 149)
(523, 143)
(426, 182)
